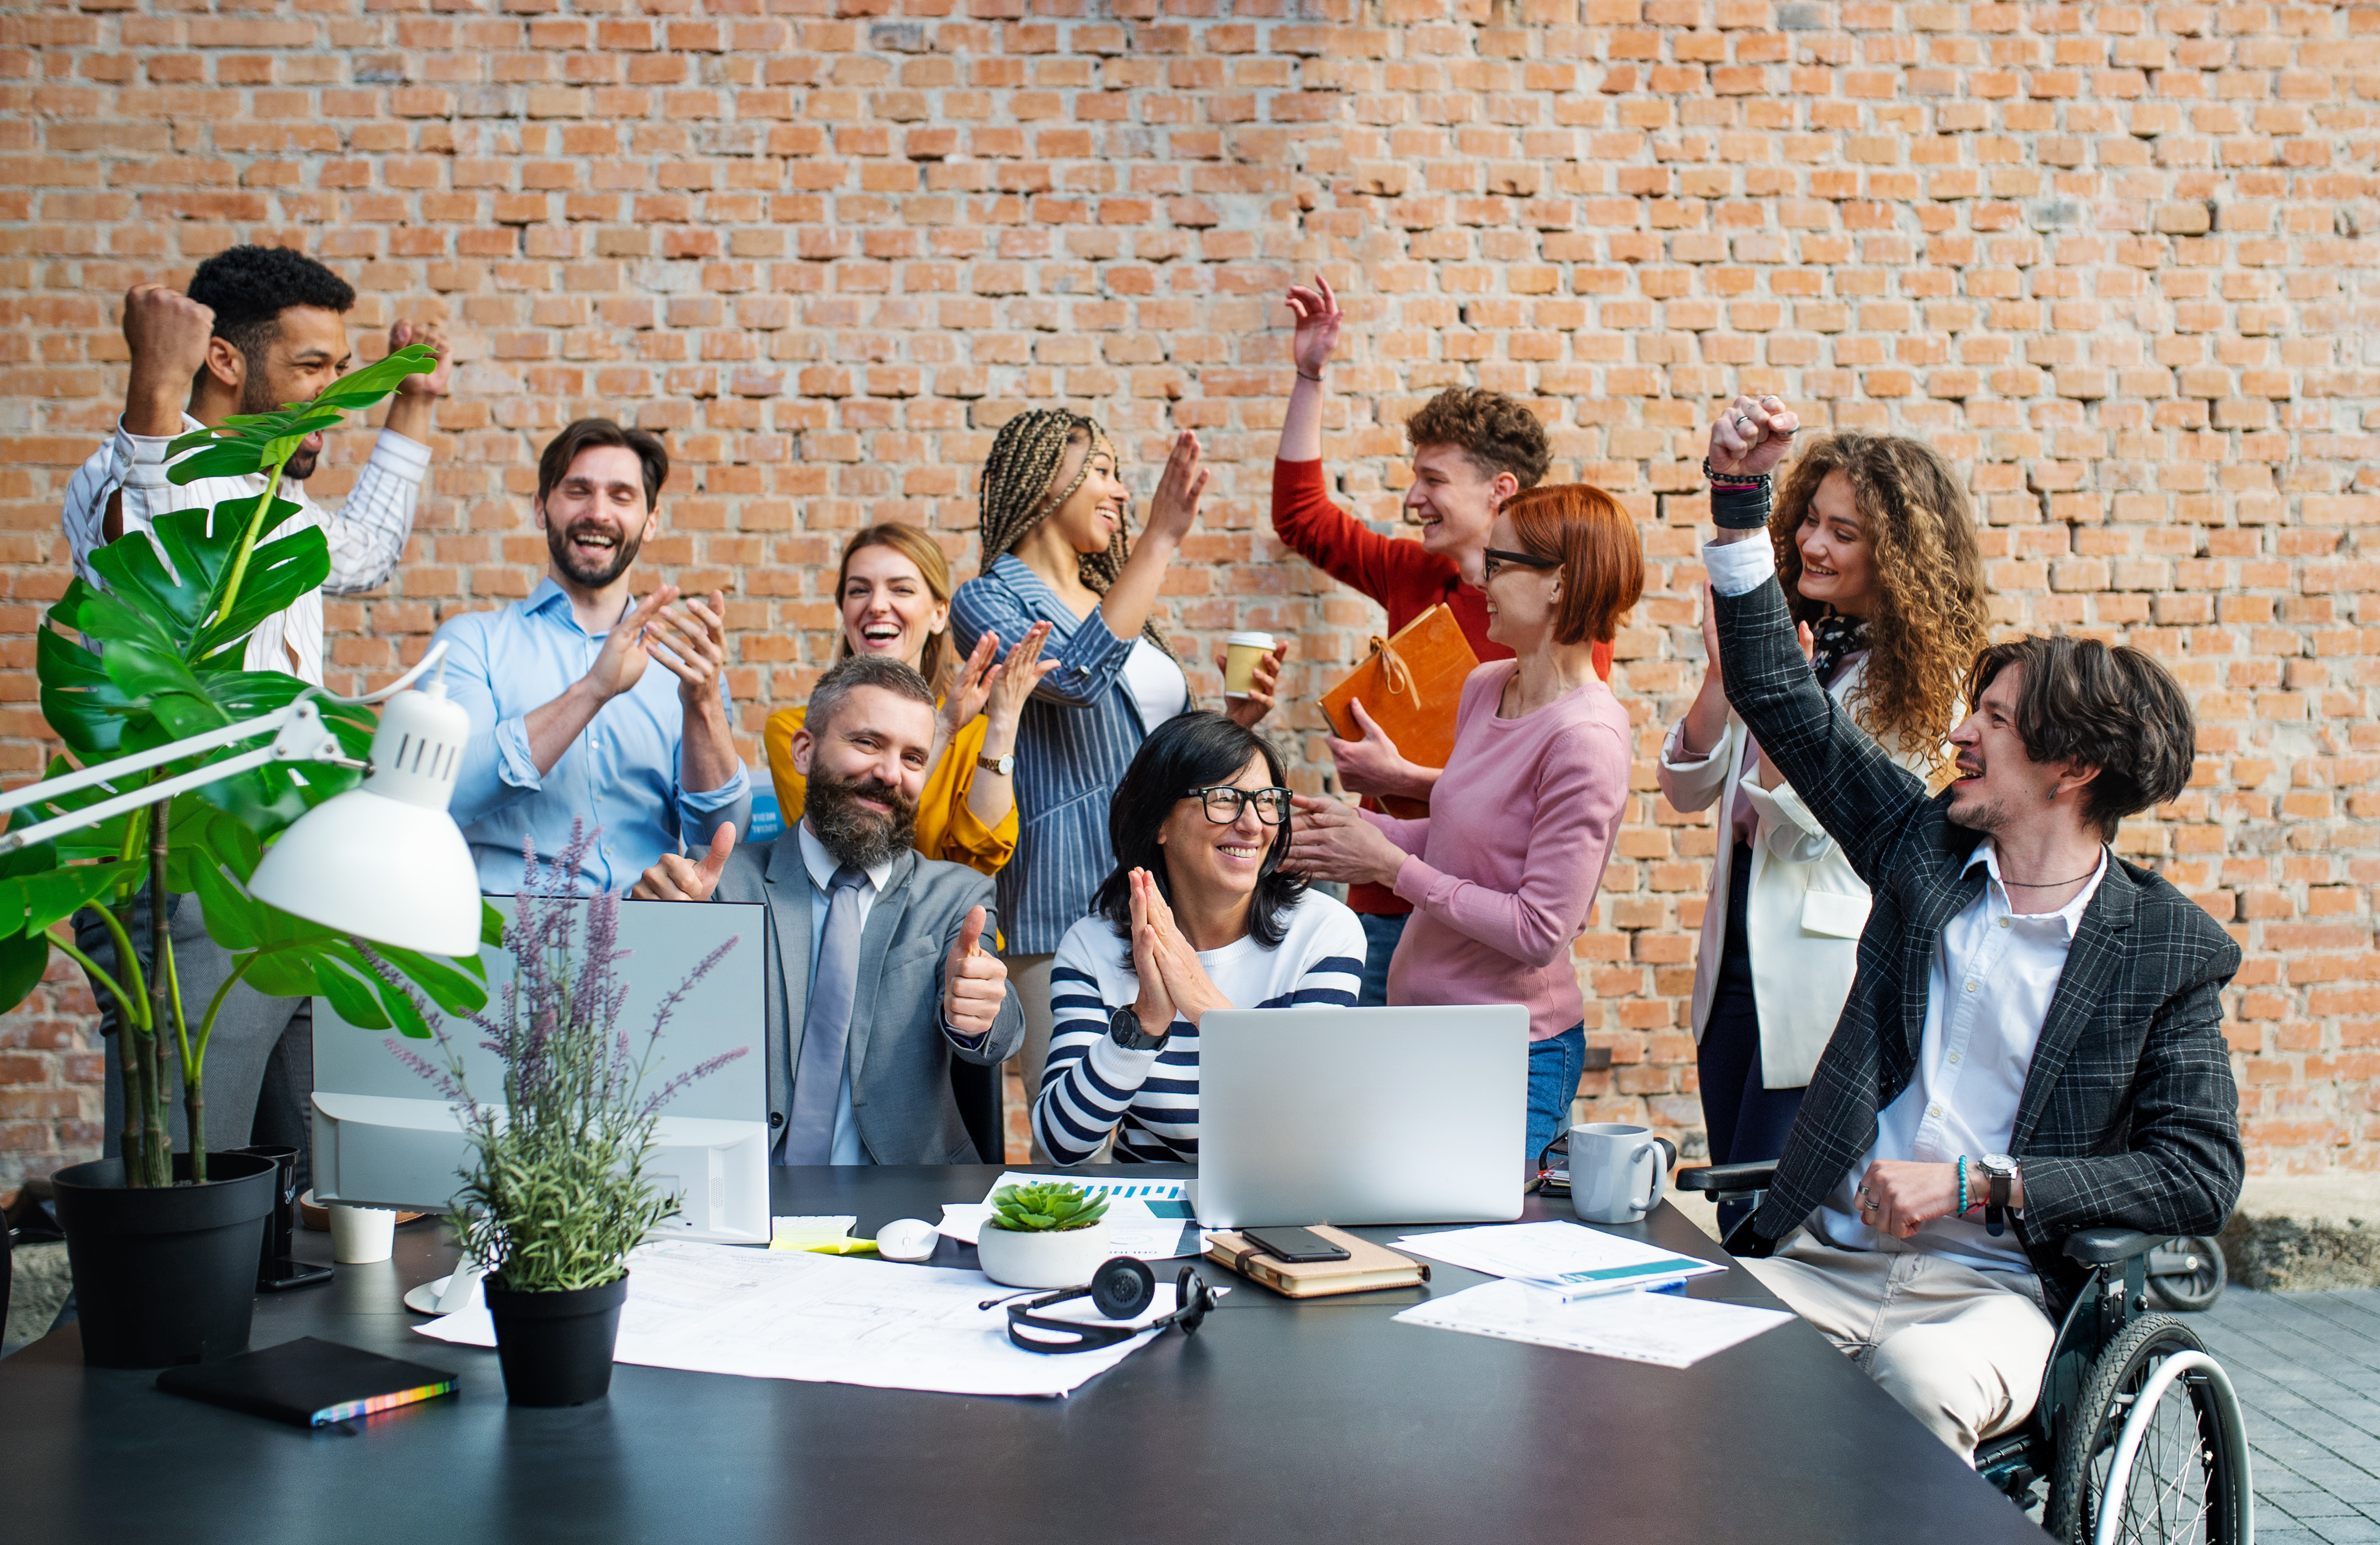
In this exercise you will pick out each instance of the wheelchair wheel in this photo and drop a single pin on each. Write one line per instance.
(2186, 1273)
(2187, 1480)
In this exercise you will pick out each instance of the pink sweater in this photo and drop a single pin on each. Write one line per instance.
(1504, 869)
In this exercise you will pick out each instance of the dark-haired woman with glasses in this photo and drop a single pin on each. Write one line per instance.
(1196, 915)
(1503, 871)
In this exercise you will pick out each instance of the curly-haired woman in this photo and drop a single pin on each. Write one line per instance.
(1053, 525)
(1875, 549)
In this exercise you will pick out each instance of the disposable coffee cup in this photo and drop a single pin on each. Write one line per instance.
(1241, 652)
(360, 1236)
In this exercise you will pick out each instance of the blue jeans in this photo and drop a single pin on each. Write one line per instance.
(1381, 932)
(1554, 1065)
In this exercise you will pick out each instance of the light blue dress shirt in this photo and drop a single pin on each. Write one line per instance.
(821, 865)
(621, 775)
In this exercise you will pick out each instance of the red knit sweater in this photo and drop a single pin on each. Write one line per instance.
(1392, 570)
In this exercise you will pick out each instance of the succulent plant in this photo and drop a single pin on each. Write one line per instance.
(1052, 1207)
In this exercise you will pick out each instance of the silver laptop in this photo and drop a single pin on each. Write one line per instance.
(1362, 1115)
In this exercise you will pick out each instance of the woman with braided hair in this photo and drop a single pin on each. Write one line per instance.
(1876, 552)
(1055, 552)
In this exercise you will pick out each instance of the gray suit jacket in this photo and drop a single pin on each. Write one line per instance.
(899, 1056)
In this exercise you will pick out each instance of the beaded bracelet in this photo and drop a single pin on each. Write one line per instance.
(1962, 1185)
(1733, 479)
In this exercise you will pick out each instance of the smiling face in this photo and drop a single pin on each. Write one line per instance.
(1219, 863)
(306, 351)
(596, 518)
(1997, 778)
(1520, 600)
(866, 767)
(1093, 514)
(1838, 549)
(888, 608)
(1454, 501)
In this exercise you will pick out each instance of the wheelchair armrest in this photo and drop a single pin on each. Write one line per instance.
(1715, 1178)
(2107, 1246)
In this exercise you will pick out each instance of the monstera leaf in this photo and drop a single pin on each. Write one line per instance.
(254, 442)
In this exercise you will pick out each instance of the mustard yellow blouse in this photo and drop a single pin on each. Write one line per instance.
(947, 830)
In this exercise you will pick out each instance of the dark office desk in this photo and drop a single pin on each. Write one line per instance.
(1285, 1421)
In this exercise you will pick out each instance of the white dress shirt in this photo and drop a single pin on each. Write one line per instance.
(367, 534)
(1988, 990)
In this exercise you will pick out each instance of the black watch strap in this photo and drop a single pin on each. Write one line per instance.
(1995, 1203)
(1127, 1031)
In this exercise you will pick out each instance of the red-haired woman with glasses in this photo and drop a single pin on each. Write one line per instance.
(1503, 871)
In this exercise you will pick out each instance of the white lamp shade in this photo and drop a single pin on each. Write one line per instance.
(385, 862)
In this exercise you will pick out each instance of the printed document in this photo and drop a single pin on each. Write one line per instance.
(829, 1319)
(1641, 1327)
(1566, 1258)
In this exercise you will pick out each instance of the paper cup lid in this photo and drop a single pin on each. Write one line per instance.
(1253, 640)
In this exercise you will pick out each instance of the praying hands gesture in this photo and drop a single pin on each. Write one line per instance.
(1329, 841)
(1172, 983)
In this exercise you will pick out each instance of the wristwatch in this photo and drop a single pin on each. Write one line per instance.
(1003, 765)
(1123, 1029)
(2000, 1170)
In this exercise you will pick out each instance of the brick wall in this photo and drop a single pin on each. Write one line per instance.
(2114, 259)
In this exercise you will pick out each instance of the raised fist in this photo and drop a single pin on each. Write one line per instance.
(167, 331)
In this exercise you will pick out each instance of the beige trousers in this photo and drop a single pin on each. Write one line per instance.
(1963, 1351)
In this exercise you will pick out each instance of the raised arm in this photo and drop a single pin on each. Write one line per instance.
(1088, 663)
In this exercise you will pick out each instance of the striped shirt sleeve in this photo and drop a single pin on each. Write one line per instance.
(1088, 1081)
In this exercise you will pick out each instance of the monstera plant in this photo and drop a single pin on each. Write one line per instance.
(150, 657)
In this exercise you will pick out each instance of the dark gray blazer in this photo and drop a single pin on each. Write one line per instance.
(900, 1058)
(2128, 1117)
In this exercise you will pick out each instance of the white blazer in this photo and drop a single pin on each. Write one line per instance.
(1806, 908)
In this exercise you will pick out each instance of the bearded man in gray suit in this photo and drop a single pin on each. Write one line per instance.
(878, 971)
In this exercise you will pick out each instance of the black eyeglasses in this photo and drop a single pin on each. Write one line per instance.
(1497, 557)
(1224, 804)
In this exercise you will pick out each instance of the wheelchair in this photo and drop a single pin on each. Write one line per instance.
(2136, 1433)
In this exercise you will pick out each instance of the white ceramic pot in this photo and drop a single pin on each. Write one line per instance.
(1020, 1260)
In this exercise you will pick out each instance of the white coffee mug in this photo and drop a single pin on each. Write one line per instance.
(361, 1234)
(1616, 1171)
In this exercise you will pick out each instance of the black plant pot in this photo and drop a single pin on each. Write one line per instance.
(164, 1275)
(556, 1347)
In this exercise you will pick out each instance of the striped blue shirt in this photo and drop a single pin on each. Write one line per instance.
(1091, 1087)
(1079, 733)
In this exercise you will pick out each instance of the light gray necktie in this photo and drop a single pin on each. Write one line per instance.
(826, 1030)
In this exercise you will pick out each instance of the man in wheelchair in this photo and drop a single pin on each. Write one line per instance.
(2034, 1045)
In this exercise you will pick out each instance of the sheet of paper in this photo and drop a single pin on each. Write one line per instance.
(809, 1233)
(1156, 1197)
(1568, 1257)
(829, 1319)
(1641, 1327)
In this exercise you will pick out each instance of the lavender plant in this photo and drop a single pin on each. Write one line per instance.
(557, 1195)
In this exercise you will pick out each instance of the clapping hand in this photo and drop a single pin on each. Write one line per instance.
(1174, 508)
(1187, 987)
(676, 878)
(1264, 682)
(1329, 841)
(1751, 436)
(978, 981)
(692, 644)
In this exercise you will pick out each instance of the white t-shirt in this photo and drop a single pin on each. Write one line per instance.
(1157, 687)
(1149, 1099)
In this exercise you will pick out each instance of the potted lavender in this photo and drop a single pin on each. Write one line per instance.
(557, 1195)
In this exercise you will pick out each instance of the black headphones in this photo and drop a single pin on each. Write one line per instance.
(1122, 1288)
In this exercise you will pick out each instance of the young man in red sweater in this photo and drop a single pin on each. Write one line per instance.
(1472, 451)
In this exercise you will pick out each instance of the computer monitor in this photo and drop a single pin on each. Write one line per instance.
(383, 1137)
(1362, 1115)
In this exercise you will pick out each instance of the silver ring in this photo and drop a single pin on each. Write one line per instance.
(1742, 422)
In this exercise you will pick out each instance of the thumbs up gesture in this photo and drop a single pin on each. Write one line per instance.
(682, 879)
(976, 981)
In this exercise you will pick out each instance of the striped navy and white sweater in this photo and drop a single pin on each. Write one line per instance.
(1149, 1099)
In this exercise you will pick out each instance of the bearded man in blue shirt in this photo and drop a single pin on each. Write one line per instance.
(570, 719)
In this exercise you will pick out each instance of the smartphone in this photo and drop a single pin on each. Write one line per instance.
(1293, 1243)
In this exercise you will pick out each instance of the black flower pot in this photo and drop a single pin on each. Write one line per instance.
(556, 1345)
(166, 1274)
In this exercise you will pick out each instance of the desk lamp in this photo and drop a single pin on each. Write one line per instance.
(384, 861)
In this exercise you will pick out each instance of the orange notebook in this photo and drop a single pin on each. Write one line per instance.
(1411, 684)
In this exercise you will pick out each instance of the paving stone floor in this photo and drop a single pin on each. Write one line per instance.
(2307, 1367)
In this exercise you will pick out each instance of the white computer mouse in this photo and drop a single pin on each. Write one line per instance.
(905, 1240)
